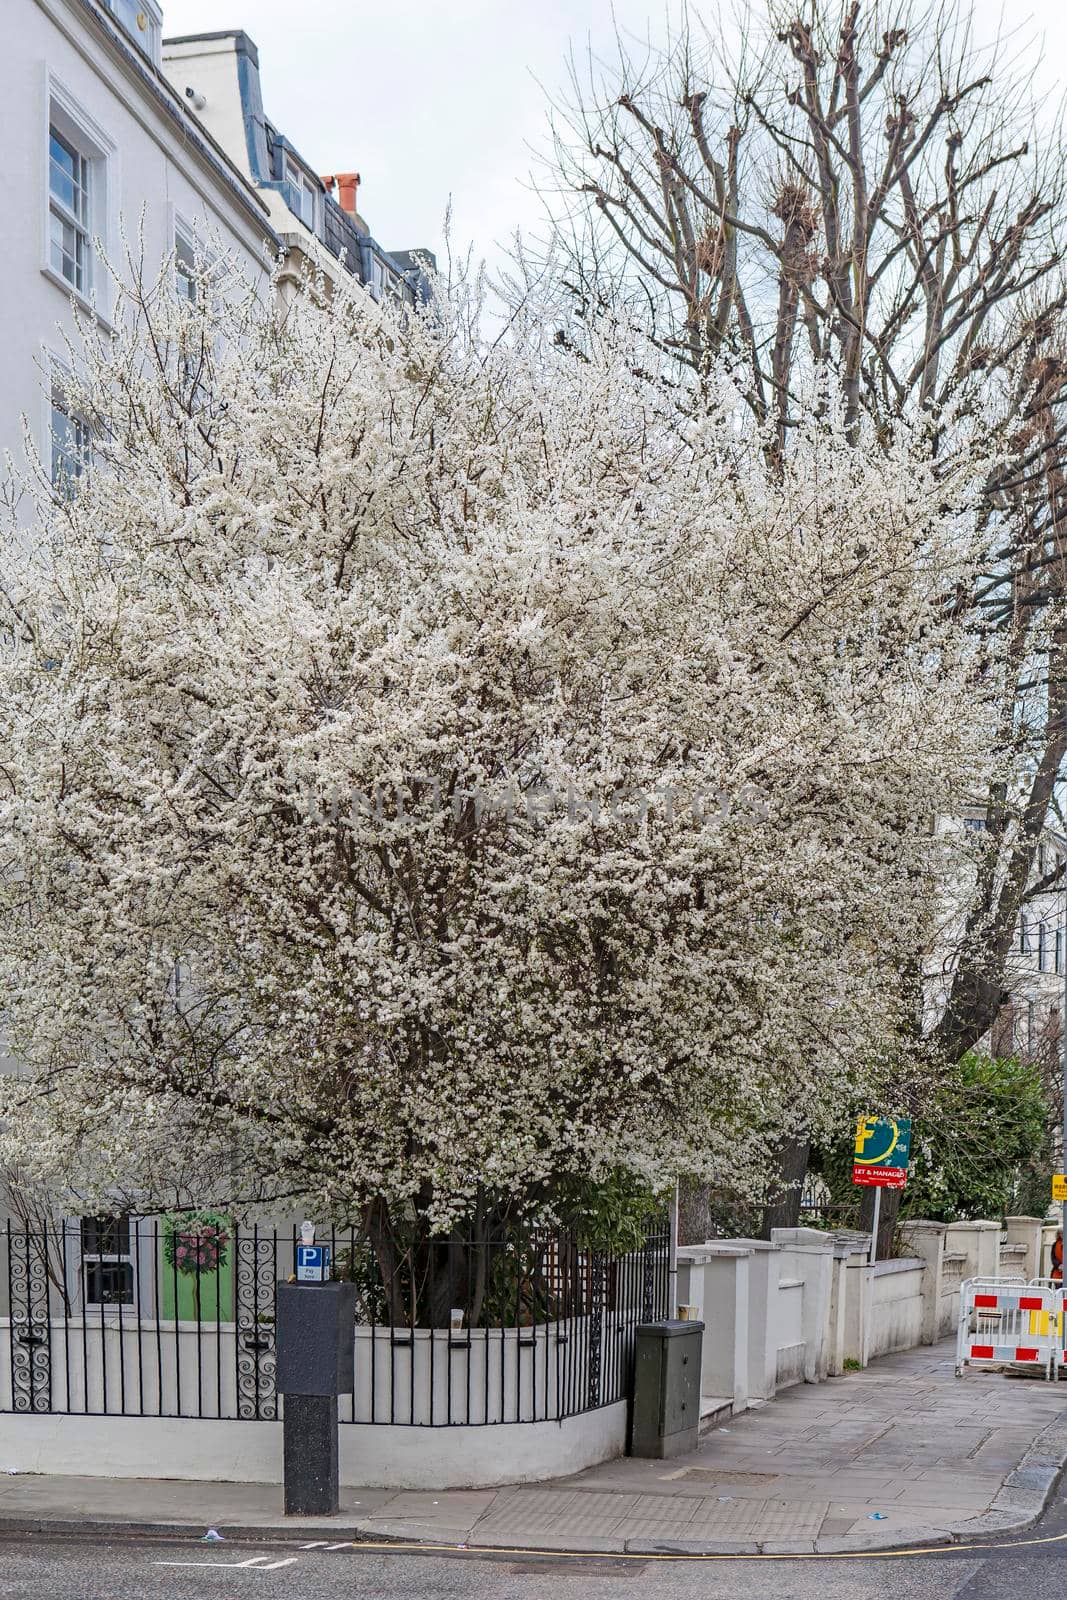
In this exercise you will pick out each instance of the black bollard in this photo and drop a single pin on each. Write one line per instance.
(315, 1352)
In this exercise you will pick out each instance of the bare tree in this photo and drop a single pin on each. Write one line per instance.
(860, 186)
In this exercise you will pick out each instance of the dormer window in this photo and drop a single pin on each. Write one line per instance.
(302, 193)
(143, 21)
(382, 282)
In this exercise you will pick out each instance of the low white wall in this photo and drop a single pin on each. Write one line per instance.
(251, 1452)
(789, 1362)
(480, 1458)
(714, 1279)
(809, 1304)
(805, 1290)
(896, 1306)
(948, 1304)
(142, 1447)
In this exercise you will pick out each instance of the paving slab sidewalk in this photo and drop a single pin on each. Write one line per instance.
(901, 1454)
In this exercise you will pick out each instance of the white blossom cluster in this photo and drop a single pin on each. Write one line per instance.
(332, 551)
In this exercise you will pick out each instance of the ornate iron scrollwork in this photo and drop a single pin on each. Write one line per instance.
(31, 1333)
(648, 1281)
(255, 1273)
(596, 1326)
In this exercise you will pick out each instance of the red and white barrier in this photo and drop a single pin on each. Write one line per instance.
(1006, 1322)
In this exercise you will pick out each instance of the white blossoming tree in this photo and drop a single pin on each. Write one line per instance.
(431, 770)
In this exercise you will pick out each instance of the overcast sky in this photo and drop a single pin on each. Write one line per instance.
(442, 98)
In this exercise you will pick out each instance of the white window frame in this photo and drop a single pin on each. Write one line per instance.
(56, 372)
(109, 1258)
(183, 232)
(297, 179)
(74, 218)
(190, 235)
(83, 134)
(379, 277)
(184, 237)
(80, 454)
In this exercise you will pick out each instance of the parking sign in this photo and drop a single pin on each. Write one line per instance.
(312, 1263)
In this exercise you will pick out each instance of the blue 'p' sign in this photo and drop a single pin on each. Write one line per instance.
(312, 1263)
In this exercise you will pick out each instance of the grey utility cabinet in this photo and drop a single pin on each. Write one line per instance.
(666, 1388)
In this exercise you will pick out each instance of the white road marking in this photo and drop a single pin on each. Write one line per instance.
(260, 1563)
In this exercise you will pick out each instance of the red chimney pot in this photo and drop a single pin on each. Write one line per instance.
(347, 185)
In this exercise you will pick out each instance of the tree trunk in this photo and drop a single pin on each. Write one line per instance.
(425, 1276)
(783, 1208)
(695, 1223)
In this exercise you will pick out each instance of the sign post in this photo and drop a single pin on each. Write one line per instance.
(1059, 1192)
(1063, 1043)
(880, 1160)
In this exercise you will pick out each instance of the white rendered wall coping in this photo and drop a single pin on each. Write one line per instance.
(884, 1269)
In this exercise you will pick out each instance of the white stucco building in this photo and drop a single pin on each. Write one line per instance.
(122, 148)
(103, 158)
(1029, 1022)
(312, 214)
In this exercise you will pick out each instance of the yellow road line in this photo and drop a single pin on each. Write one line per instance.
(633, 1555)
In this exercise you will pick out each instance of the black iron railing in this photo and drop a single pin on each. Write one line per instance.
(174, 1317)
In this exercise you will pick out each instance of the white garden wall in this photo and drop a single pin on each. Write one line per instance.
(251, 1452)
(896, 1306)
(809, 1305)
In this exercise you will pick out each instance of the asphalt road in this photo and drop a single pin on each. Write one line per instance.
(1031, 1567)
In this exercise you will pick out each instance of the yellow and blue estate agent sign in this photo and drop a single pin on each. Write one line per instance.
(883, 1146)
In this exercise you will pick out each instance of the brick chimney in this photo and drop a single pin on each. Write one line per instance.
(347, 186)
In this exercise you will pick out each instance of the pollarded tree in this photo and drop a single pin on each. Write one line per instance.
(432, 768)
(857, 184)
